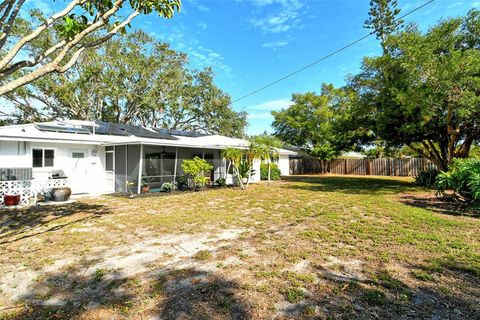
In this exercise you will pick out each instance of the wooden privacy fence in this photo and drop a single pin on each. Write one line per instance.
(379, 167)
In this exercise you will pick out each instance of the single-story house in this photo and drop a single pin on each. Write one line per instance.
(99, 157)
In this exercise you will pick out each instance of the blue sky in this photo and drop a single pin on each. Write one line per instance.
(250, 43)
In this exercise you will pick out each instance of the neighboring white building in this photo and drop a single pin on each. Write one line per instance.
(100, 157)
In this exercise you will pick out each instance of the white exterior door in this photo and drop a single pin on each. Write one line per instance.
(80, 173)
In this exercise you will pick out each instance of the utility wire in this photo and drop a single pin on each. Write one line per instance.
(324, 57)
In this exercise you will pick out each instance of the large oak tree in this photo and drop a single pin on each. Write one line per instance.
(132, 79)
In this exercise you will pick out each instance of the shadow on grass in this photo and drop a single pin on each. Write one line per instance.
(349, 185)
(384, 296)
(16, 222)
(73, 292)
(107, 294)
(444, 206)
(190, 293)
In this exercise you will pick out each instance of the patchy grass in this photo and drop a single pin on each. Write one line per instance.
(307, 247)
(202, 255)
(293, 294)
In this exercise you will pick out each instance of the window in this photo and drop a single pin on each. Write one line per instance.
(78, 155)
(42, 158)
(109, 156)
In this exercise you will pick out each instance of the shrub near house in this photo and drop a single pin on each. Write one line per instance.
(274, 171)
(196, 169)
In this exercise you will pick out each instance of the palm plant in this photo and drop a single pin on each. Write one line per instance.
(254, 151)
(269, 149)
(234, 156)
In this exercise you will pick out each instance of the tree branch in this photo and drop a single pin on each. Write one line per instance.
(34, 34)
(31, 63)
(55, 64)
(8, 27)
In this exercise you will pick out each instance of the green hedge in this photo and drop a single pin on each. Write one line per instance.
(274, 171)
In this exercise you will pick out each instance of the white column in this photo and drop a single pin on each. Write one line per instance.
(175, 168)
(140, 166)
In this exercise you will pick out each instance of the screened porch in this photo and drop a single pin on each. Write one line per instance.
(136, 166)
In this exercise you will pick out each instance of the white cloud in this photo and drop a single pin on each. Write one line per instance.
(274, 45)
(260, 116)
(199, 56)
(263, 111)
(199, 6)
(454, 4)
(272, 105)
(276, 16)
(202, 25)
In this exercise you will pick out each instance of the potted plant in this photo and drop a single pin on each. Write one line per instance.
(11, 199)
(145, 185)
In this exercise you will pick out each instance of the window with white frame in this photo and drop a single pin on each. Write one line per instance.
(43, 158)
(109, 158)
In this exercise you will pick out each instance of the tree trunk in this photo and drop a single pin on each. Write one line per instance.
(228, 169)
(249, 174)
(237, 173)
(269, 171)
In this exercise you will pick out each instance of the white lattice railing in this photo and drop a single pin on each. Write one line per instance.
(30, 188)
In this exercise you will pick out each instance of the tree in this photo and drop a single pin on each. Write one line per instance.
(133, 79)
(268, 149)
(425, 92)
(383, 19)
(234, 157)
(99, 21)
(254, 151)
(320, 123)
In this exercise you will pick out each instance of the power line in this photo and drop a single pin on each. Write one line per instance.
(323, 58)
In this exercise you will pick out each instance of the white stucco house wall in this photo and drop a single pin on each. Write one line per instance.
(99, 157)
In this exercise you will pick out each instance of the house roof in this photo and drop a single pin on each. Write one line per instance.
(103, 133)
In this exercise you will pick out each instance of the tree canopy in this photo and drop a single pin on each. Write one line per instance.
(424, 92)
(81, 24)
(132, 79)
(382, 19)
(318, 123)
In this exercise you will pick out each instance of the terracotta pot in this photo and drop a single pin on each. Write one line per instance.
(60, 194)
(145, 189)
(11, 199)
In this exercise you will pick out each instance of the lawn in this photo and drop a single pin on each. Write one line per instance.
(309, 247)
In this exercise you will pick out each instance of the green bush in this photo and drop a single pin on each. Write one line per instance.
(182, 182)
(274, 171)
(427, 178)
(166, 187)
(463, 177)
(245, 170)
(221, 182)
(196, 169)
